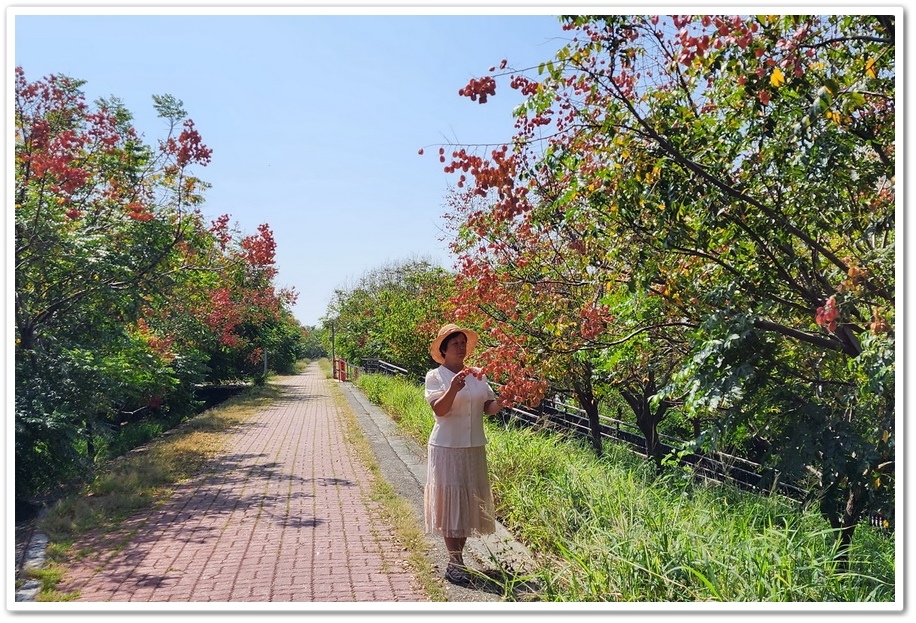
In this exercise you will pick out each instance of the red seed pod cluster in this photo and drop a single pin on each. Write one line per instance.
(478, 89)
(525, 85)
(828, 315)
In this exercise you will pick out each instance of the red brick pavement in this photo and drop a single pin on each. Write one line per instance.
(282, 515)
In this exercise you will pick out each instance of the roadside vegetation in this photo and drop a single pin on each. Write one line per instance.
(610, 528)
(128, 300)
(138, 480)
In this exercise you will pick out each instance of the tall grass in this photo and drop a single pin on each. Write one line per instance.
(613, 529)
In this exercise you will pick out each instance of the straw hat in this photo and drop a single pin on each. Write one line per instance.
(446, 331)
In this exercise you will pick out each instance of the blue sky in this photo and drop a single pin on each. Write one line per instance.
(315, 120)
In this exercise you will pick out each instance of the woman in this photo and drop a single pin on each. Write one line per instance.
(458, 500)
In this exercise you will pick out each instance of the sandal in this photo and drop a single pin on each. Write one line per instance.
(457, 574)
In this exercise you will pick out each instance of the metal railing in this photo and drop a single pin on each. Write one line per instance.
(383, 367)
(716, 466)
(344, 371)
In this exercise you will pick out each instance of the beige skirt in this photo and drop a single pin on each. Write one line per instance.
(458, 499)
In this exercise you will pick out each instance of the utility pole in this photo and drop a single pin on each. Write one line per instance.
(333, 355)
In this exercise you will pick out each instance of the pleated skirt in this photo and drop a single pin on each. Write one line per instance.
(458, 499)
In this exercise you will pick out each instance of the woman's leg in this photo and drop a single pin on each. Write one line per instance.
(455, 547)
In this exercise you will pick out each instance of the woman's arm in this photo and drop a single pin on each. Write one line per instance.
(492, 407)
(443, 404)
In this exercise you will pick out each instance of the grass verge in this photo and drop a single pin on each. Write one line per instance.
(614, 529)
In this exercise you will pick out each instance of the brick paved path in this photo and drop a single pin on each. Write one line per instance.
(281, 516)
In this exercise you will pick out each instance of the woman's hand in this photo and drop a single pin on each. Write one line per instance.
(492, 407)
(444, 404)
(460, 380)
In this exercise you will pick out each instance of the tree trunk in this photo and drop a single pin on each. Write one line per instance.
(844, 518)
(589, 404)
(90, 440)
(852, 512)
(638, 398)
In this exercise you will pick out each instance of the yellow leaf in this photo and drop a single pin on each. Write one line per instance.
(870, 68)
(777, 79)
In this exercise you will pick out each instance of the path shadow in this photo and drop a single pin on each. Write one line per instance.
(333, 482)
(296, 522)
(228, 484)
(290, 394)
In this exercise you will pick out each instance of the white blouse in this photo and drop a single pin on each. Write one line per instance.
(462, 426)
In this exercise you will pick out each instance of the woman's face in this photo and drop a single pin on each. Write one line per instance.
(456, 347)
